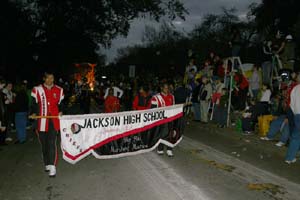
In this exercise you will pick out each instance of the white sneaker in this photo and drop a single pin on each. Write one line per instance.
(9, 139)
(47, 168)
(280, 144)
(170, 153)
(291, 161)
(160, 152)
(52, 172)
(265, 138)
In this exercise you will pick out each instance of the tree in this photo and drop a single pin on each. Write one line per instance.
(162, 51)
(166, 48)
(273, 15)
(62, 32)
(15, 36)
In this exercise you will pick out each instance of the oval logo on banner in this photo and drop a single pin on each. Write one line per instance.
(75, 128)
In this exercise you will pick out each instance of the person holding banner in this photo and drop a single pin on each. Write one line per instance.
(162, 99)
(111, 103)
(142, 99)
(47, 99)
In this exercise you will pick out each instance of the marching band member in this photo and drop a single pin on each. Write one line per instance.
(143, 99)
(111, 103)
(162, 99)
(47, 100)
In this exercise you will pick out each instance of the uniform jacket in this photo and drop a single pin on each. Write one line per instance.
(161, 100)
(46, 103)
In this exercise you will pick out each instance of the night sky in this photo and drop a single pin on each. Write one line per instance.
(197, 9)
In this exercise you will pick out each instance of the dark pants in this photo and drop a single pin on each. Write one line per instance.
(2, 136)
(247, 124)
(267, 67)
(221, 115)
(10, 120)
(164, 134)
(239, 99)
(242, 98)
(48, 142)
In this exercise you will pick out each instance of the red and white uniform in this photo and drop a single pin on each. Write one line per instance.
(161, 100)
(48, 100)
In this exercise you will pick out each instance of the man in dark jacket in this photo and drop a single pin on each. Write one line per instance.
(21, 112)
(3, 114)
(196, 101)
(142, 100)
(181, 95)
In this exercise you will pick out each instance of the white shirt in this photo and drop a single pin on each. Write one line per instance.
(116, 91)
(295, 100)
(9, 94)
(219, 87)
(189, 69)
(254, 81)
(266, 96)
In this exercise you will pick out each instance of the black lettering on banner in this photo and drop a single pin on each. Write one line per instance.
(102, 122)
(138, 118)
(106, 122)
(153, 116)
(132, 119)
(89, 124)
(95, 125)
(117, 121)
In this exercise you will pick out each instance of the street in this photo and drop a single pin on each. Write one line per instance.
(197, 171)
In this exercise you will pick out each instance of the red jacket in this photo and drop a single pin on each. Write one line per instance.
(242, 81)
(112, 104)
(161, 100)
(141, 102)
(48, 101)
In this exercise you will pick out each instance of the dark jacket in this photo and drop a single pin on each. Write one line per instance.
(3, 112)
(195, 94)
(21, 101)
(181, 94)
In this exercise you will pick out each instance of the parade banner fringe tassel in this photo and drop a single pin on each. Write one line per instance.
(114, 135)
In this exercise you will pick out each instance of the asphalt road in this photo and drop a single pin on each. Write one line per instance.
(196, 172)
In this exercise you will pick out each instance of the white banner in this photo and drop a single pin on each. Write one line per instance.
(82, 135)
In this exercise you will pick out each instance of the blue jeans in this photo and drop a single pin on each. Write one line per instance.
(255, 93)
(197, 114)
(21, 122)
(277, 125)
(294, 140)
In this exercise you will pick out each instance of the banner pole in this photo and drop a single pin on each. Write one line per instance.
(43, 117)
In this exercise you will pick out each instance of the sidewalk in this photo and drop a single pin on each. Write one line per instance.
(262, 154)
